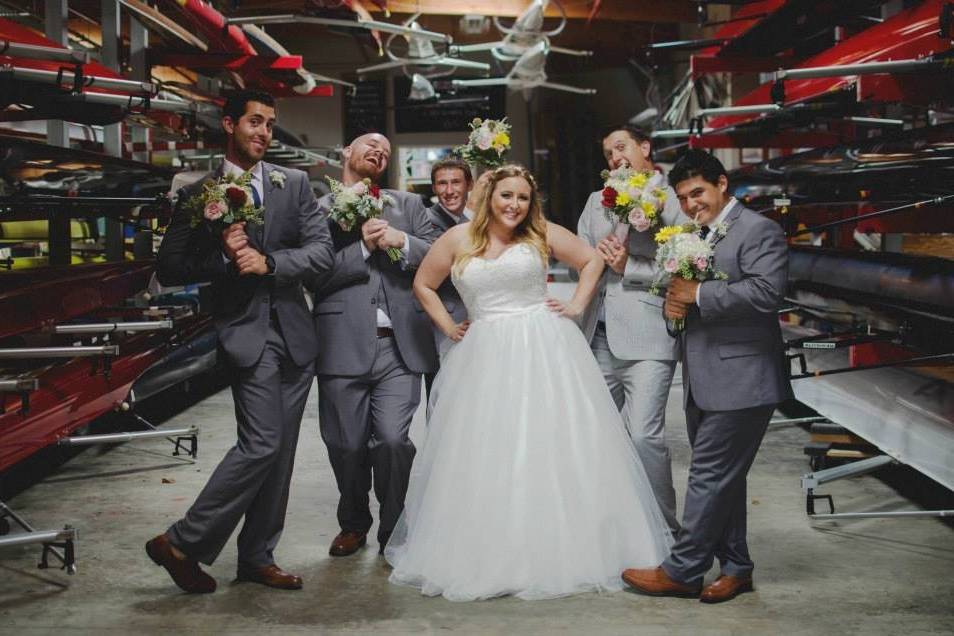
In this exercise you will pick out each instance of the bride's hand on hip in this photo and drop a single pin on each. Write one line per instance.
(561, 308)
(457, 333)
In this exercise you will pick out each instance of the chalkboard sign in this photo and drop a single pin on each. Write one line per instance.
(365, 111)
(451, 112)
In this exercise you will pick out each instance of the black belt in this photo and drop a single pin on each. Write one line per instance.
(385, 332)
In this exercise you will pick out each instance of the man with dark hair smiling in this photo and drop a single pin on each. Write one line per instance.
(733, 378)
(266, 335)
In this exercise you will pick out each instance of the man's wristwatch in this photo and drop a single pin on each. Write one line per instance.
(270, 264)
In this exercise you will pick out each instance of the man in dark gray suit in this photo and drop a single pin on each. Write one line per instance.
(375, 342)
(734, 375)
(267, 337)
(451, 181)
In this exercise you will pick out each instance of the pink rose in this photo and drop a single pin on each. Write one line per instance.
(214, 210)
(360, 188)
(702, 263)
(485, 140)
(671, 265)
(638, 220)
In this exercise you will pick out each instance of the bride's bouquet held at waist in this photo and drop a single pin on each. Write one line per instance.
(353, 205)
(224, 201)
(681, 251)
(633, 198)
(487, 144)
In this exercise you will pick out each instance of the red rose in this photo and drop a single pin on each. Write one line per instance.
(609, 197)
(236, 196)
(375, 191)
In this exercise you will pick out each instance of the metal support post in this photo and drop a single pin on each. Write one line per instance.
(112, 133)
(58, 134)
(138, 45)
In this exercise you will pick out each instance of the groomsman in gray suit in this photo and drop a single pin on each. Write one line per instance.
(375, 342)
(734, 375)
(267, 337)
(451, 181)
(624, 323)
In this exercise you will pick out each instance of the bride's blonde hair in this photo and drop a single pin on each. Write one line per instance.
(532, 230)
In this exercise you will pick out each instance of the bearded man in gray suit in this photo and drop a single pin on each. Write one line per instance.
(734, 375)
(624, 323)
(375, 342)
(265, 331)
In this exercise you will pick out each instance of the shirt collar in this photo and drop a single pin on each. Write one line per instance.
(230, 168)
(725, 211)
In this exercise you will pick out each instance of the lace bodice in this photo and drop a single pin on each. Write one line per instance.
(513, 283)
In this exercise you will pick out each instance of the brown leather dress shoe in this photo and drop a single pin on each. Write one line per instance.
(347, 543)
(726, 588)
(271, 576)
(184, 571)
(655, 582)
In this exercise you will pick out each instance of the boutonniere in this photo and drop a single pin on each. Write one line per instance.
(277, 178)
(720, 230)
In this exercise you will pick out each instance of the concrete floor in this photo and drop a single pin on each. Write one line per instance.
(865, 577)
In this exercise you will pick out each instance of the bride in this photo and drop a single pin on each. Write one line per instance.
(527, 483)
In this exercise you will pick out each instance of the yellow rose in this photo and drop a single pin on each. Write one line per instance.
(638, 180)
(502, 140)
(666, 233)
(623, 199)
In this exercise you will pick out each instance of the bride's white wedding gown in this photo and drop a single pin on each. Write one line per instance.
(527, 483)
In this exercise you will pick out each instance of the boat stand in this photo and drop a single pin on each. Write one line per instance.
(52, 540)
(811, 481)
(185, 440)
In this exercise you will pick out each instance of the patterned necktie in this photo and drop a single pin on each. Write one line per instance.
(704, 232)
(256, 199)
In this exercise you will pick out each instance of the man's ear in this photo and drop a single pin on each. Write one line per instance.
(646, 149)
(723, 183)
(346, 152)
(228, 125)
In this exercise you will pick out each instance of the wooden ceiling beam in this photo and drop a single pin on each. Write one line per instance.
(628, 10)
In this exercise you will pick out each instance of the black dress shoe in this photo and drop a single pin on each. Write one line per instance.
(383, 542)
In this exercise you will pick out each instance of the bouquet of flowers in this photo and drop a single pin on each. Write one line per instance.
(488, 141)
(633, 198)
(683, 252)
(353, 205)
(225, 200)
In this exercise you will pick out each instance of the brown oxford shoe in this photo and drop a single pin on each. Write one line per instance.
(347, 543)
(655, 582)
(726, 588)
(185, 572)
(271, 576)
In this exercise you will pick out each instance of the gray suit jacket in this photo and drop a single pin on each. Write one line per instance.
(295, 234)
(635, 329)
(733, 356)
(443, 221)
(346, 297)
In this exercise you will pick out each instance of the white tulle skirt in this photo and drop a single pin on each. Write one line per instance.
(527, 483)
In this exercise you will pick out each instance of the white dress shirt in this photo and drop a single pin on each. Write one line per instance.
(712, 226)
(229, 168)
(382, 317)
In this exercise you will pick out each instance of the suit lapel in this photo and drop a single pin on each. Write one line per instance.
(269, 201)
(729, 220)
